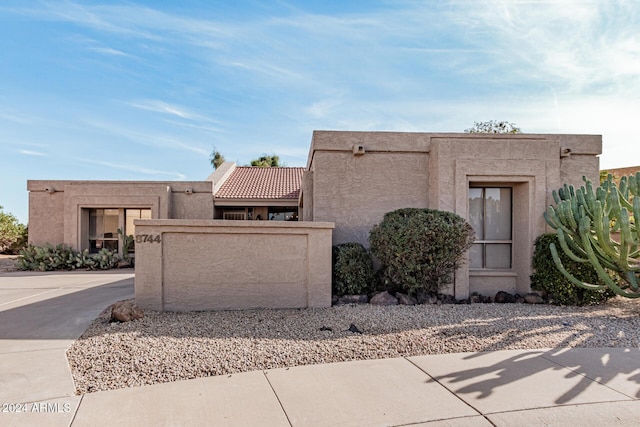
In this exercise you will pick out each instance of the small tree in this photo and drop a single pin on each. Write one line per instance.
(493, 126)
(265, 161)
(420, 249)
(13, 234)
(216, 158)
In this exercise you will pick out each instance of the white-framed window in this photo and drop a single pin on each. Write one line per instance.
(490, 215)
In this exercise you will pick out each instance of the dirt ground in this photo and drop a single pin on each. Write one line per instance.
(7, 263)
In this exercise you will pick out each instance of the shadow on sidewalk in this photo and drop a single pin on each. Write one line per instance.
(605, 366)
(62, 316)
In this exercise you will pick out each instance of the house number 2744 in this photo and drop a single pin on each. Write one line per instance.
(148, 238)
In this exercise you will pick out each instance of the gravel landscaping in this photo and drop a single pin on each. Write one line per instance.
(165, 347)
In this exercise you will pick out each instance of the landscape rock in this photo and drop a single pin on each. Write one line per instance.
(383, 298)
(353, 299)
(447, 299)
(519, 299)
(475, 299)
(533, 298)
(404, 299)
(424, 297)
(334, 299)
(503, 297)
(125, 311)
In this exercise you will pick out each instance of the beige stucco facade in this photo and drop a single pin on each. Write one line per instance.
(58, 209)
(187, 265)
(351, 179)
(354, 178)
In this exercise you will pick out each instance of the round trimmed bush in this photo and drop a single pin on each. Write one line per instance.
(559, 290)
(352, 270)
(420, 249)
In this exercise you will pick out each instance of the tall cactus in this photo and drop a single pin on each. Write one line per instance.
(585, 221)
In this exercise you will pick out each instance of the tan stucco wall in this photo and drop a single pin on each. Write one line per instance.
(400, 170)
(355, 191)
(220, 265)
(55, 207)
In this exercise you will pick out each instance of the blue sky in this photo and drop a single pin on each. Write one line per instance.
(143, 90)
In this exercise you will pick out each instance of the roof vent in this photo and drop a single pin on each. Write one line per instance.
(358, 150)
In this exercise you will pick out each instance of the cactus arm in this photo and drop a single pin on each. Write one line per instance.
(563, 244)
(633, 280)
(569, 276)
(603, 274)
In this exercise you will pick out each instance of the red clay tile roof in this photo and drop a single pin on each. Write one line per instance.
(252, 182)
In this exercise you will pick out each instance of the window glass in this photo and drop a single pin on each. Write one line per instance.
(497, 255)
(103, 229)
(476, 211)
(130, 215)
(497, 220)
(475, 255)
(490, 216)
(111, 217)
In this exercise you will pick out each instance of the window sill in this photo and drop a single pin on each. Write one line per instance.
(492, 272)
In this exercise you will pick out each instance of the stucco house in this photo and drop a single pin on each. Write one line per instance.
(500, 183)
(88, 214)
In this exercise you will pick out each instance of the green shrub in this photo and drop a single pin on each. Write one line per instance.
(558, 288)
(62, 257)
(420, 249)
(352, 269)
(13, 235)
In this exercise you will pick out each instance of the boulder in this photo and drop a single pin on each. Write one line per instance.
(533, 298)
(353, 299)
(475, 299)
(425, 297)
(404, 299)
(125, 311)
(503, 297)
(383, 298)
(447, 299)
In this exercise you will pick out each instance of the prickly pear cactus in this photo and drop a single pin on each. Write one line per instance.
(600, 227)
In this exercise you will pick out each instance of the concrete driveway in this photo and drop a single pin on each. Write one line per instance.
(41, 314)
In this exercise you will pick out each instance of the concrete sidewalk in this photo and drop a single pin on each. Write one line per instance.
(505, 388)
(41, 314)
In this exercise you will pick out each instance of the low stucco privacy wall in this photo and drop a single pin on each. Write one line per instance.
(194, 265)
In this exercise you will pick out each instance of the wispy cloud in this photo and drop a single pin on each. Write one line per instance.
(133, 168)
(165, 108)
(145, 137)
(32, 153)
(109, 51)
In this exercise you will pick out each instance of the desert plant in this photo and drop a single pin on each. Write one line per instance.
(13, 234)
(420, 249)
(128, 243)
(586, 220)
(352, 269)
(63, 257)
(558, 289)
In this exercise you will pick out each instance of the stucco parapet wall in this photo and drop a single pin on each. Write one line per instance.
(422, 142)
(63, 185)
(196, 265)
